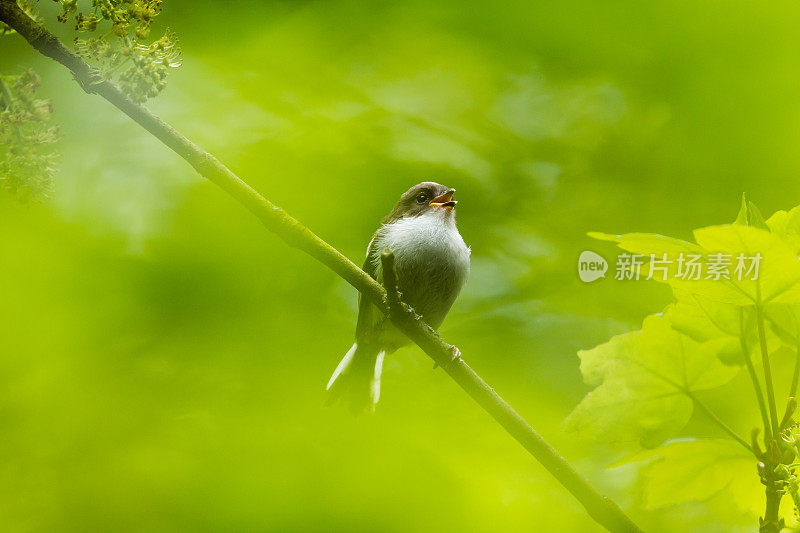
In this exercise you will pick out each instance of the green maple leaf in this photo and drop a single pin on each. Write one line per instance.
(750, 215)
(645, 382)
(779, 274)
(733, 326)
(704, 320)
(779, 269)
(699, 469)
(785, 322)
(708, 309)
(786, 224)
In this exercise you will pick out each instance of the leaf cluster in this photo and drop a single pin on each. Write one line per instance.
(648, 383)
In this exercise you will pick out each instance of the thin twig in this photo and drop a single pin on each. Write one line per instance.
(791, 406)
(390, 279)
(770, 522)
(753, 376)
(762, 337)
(599, 507)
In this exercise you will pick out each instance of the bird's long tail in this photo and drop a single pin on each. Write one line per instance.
(357, 379)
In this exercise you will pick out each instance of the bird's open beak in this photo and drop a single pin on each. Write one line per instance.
(445, 200)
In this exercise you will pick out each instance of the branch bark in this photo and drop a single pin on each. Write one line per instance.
(771, 522)
(600, 508)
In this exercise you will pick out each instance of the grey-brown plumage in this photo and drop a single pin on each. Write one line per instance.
(432, 265)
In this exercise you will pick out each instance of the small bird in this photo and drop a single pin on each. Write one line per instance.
(432, 264)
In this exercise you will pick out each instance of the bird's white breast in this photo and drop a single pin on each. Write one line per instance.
(432, 236)
(432, 261)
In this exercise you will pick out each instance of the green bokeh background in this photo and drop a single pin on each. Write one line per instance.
(163, 357)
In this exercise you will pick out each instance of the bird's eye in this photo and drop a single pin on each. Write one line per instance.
(422, 198)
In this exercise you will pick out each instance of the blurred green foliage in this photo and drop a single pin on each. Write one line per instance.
(27, 161)
(164, 359)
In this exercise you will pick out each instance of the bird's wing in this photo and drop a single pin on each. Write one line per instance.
(369, 315)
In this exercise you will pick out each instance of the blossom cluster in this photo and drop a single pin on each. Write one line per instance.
(122, 51)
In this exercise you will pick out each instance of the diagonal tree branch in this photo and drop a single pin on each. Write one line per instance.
(599, 507)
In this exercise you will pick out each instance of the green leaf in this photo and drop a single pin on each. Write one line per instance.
(648, 243)
(784, 320)
(750, 215)
(779, 270)
(787, 226)
(741, 217)
(642, 383)
(704, 320)
(708, 309)
(755, 218)
(697, 470)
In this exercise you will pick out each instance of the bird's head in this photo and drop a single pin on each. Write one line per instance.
(425, 197)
